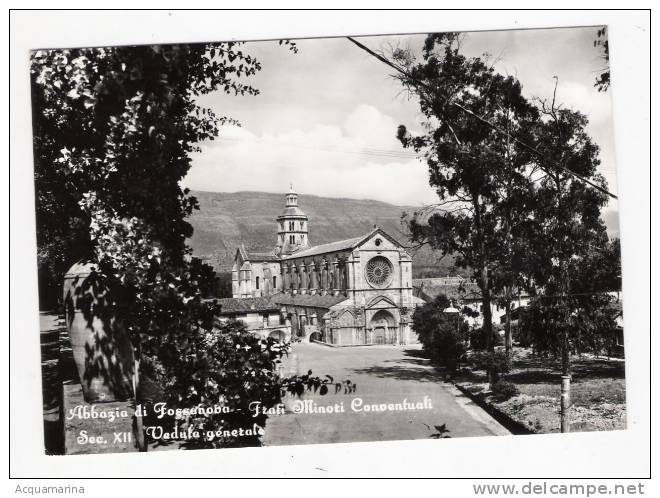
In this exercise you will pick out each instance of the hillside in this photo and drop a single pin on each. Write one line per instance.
(226, 220)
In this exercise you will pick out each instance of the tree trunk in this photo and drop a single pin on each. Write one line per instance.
(487, 326)
(508, 336)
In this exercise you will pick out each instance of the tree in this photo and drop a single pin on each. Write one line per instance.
(567, 221)
(113, 131)
(601, 41)
(443, 335)
(591, 306)
(482, 177)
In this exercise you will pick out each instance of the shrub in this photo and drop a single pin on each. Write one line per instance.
(226, 366)
(443, 335)
(478, 339)
(504, 390)
(497, 362)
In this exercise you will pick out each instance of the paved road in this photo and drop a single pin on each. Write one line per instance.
(51, 382)
(384, 375)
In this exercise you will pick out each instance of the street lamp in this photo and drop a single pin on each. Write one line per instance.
(452, 310)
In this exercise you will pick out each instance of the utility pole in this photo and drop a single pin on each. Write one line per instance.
(565, 395)
(565, 402)
(554, 171)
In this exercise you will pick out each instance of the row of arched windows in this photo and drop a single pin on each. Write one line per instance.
(257, 282)
(292, 225)
(292, 238)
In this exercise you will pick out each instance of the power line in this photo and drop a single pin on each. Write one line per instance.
(328, 148)
(483, 120)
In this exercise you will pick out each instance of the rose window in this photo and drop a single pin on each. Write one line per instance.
(379, 271)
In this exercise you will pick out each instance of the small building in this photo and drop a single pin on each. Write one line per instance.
(463, 293)
(356, 291)
(261, 316)
(255, 274)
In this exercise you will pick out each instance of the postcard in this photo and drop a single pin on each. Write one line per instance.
(325, 240)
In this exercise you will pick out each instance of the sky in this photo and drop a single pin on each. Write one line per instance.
(326, 118)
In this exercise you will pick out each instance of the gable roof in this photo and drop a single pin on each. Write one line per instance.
(232, 305)
(262, 256)
(256, 256)
(311, 300)
(341, 245)
(379, 299)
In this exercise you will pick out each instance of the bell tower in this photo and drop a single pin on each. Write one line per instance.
(292, 226)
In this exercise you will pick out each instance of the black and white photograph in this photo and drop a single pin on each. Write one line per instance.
(337, 239)
(327, 240)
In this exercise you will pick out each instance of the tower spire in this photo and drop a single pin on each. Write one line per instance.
(292, 226)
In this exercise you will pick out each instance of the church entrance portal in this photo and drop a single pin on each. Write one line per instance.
(383, 328)
(380, 335)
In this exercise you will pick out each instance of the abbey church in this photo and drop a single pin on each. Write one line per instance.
(349, 292)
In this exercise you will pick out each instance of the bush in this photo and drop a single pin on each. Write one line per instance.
(497, 362)
(504, 390)
(226, 366)
(478, 339)
(450, 349)
(443, 335)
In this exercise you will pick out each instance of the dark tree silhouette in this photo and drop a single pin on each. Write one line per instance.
(113, 131)
(601, 42)
(484, 180)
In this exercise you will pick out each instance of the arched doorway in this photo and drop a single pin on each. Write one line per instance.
(279, 335)
(382, 328)
(315, 336)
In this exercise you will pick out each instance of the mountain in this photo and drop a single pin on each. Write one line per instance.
(226, 220)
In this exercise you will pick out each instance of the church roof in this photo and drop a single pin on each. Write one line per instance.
(257, 256)
(292, 211)
(231, 305)
(262, 256)
(340, 245)
(311, 300)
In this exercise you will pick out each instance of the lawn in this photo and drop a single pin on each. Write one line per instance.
(598, 392)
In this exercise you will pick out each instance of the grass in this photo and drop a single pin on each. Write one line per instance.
(598, 392)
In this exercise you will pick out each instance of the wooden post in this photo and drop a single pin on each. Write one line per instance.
(565, 403)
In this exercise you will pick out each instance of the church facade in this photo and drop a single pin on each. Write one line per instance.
(350, 292)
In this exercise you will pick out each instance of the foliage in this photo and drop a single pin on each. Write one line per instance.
(113, 131)
(591, 324)
(503, 390)
(443, 335)
(441, 432)
(224, 287)
(589, 311)
(570, 258)
(479, 341)
(299, 384)
(224, 366)
(481, 177)
(599, 268)
(496, 362)
(232, 368)
(520, 220)
(601, 41)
